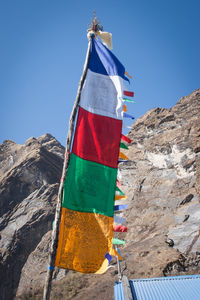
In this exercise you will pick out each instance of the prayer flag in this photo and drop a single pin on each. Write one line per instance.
(119, 220)
(128, 75)
(128, 116)
(108, 256)
(120, 192)
(118, 183)
(122, 145)
(87, 218)
(128, 94)
(118, 242)
(116, 253)
(122, 155)
(120, 207)
(124, 108)
(129, 100)
(120, 228)
(119, 197)
(125, 138)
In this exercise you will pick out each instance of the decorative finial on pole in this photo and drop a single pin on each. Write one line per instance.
(97, 29)
(95, 25)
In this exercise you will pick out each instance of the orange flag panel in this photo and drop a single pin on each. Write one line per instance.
(84, 240)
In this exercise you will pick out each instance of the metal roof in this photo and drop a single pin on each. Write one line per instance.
(162, 288)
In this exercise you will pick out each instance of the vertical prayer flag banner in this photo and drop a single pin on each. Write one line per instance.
(87, 219)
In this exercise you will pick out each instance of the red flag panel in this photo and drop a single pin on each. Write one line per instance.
(97, 138)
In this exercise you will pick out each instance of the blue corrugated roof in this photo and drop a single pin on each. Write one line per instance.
(162, 288)
(118, 291)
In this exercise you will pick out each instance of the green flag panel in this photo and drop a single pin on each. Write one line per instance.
(89, 187)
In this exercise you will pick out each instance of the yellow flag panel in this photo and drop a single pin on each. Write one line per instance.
(84, 239)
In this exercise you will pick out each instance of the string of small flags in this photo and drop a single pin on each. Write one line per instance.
(119, 221)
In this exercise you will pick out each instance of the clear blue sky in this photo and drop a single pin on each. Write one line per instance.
(42, 52)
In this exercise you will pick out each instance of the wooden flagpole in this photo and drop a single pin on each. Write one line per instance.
(55, 232)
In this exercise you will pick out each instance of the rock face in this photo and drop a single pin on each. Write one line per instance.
(162, 182)
(29, 177)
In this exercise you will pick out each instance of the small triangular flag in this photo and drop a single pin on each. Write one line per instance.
(124, 108)
(128, 116)
(118, 242)
(118, 183)
(128, 75)
(115, 253)
(120, 207)
(120, 228)
(122, 161)
(122, 145)
(119, 197)
(129, 94)
(129, 100)
(126, 139)
(108, 256)
(120, 192)
(119, 220)
(122, 155)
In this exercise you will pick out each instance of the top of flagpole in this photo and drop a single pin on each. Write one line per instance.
(95, 25)
(97, 29)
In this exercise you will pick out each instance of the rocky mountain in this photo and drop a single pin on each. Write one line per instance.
(161, 180)
(29, 183)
